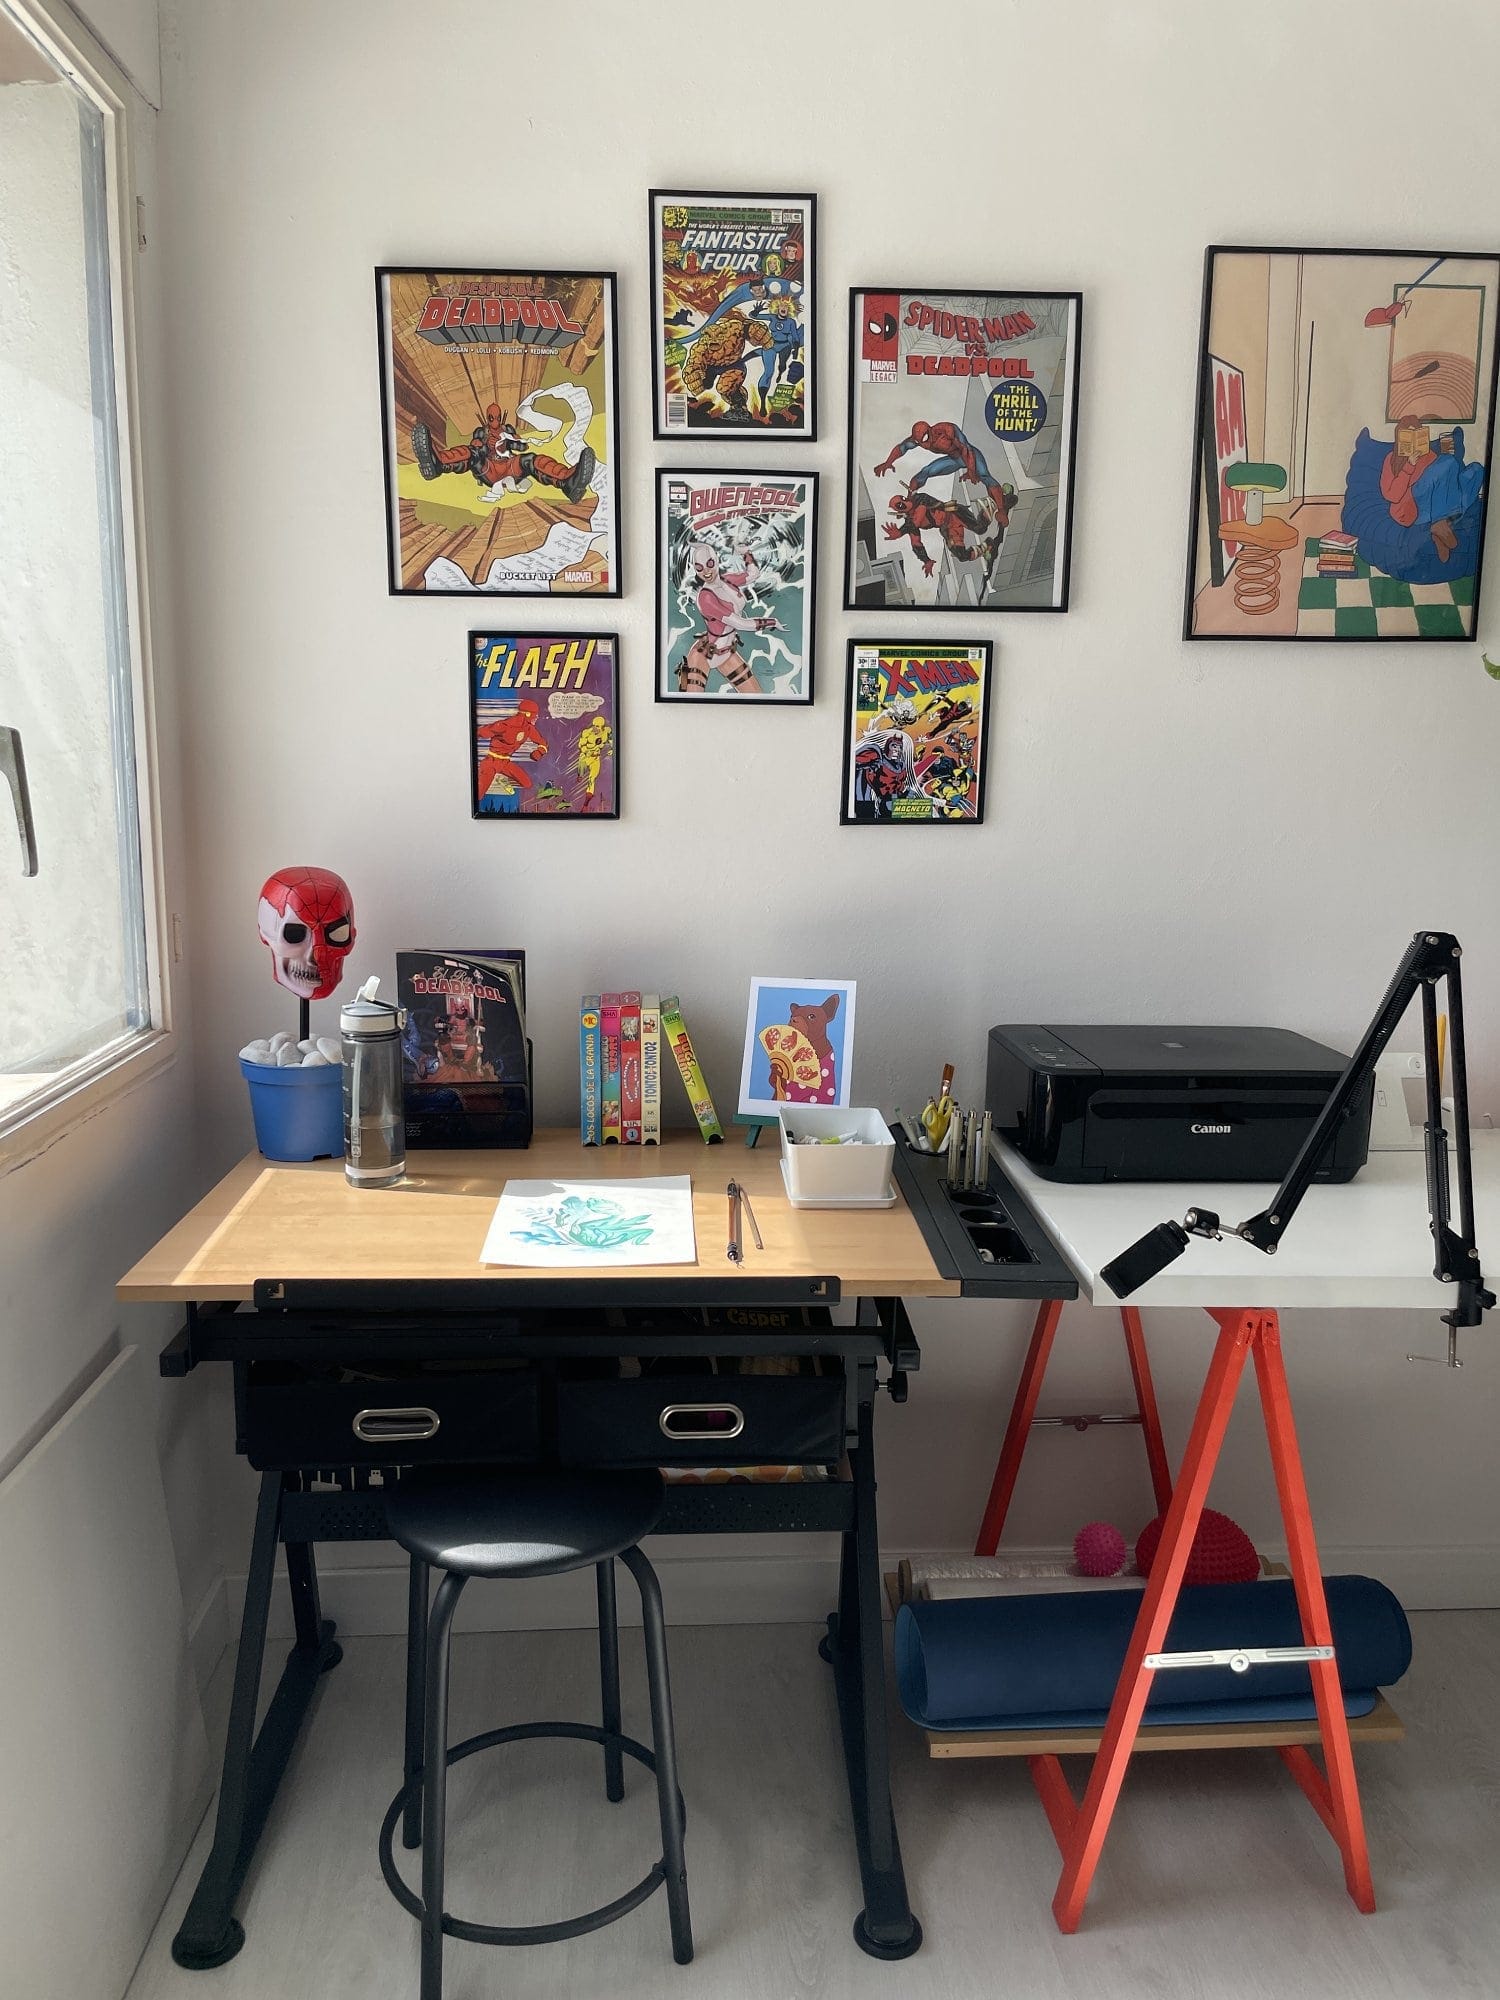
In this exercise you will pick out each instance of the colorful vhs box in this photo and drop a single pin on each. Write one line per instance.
(588, 1069)
(650, 1069)
(630, 1069)
(676, 1036)
(609, 1071)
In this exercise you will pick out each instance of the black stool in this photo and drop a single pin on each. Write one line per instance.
(534, 1522)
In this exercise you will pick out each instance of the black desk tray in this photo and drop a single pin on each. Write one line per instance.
(1022, 1261)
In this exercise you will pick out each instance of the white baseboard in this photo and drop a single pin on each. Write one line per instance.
(761, 1589)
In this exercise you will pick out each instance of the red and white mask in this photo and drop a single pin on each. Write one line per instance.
(307, 923)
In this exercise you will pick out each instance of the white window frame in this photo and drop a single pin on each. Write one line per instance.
(87, 1086)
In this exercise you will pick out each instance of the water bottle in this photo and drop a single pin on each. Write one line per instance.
(374, 1119)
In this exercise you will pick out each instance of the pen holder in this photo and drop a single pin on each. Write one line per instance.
(298, 1113)
(816, 1173)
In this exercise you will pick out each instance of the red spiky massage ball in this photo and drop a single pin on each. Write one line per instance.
(1099, 1549)
(1221, 1553)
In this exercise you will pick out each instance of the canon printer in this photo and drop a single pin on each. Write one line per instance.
(1167, 1104)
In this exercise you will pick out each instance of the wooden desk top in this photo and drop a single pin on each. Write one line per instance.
(266, 1220)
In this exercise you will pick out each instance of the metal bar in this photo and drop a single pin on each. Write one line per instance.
(416, 1695)
(509, 1295)
(1239, 1658)
(1022, 1410)
(609, 1679)
(1084, 1423)
(1107, 1774)
(307, 1610)
(435, 1779)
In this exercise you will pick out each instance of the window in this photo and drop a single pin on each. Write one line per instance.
(77, 924)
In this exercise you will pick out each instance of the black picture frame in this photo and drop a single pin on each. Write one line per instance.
(1064, 499)
(390, 451)
(751, 430)
(1384, 608)
(753, 478)
(610, 710)
(912, 651)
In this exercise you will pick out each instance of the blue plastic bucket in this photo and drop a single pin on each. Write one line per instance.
(299, 1113)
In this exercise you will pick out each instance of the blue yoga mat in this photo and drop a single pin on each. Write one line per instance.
(1014, 1662)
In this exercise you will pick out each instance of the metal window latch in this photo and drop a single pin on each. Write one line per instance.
(13, 765)
(1239, 1659)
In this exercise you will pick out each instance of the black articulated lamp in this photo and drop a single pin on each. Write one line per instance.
(1431, 956)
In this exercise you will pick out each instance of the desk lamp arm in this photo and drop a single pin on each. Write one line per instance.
(1431, 956)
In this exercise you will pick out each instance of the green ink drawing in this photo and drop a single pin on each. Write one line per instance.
(586, 1222)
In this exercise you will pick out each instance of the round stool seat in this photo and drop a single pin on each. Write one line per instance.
(536, 1521)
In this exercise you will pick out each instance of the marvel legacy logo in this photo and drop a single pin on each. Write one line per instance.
(1210, 1128)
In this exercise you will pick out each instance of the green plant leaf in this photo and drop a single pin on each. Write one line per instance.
(1491, 667)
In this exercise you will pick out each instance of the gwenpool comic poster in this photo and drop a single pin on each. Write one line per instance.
(735, 556)
(498, 395)
(962, 423)
(732, 337)
(916, 724)
(544, 725)
(1346, 414)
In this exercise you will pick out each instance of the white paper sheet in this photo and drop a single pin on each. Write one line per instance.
(592, 1224)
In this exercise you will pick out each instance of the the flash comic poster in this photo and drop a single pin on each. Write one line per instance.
(916, 725)
(962, 420)
(732, 315)
(498, 396)
(544, 725)
(735, 556)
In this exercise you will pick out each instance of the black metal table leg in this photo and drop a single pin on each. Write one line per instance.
(416, 1695)
(210, 1934)
(855, 1646)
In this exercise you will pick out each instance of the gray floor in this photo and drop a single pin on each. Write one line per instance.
(1217, 1881)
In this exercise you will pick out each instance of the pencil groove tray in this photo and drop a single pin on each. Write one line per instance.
(986, 1236)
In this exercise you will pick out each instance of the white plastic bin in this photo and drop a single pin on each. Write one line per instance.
(836, 1173)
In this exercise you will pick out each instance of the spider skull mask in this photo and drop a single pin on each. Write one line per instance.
(307, 923)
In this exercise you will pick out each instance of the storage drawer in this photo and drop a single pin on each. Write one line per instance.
(288, 1418)
(701, 1419)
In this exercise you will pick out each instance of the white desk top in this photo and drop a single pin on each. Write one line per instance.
(1365, 1244)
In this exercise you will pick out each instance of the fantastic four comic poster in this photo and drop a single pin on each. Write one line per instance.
(736, 553)
(544, 725)
(498, 404)
(916, 728)
(962, 423)
(732, 315)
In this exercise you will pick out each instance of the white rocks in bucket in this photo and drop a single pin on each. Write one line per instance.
(279, 1051)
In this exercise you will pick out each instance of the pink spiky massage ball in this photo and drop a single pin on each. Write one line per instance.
(1099, 1549)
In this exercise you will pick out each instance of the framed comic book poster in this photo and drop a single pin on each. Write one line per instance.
(963, 419)
(916, 730)
(732, 315)
(498, 411)
(736, 555)
(1346, 415)
(544, 725)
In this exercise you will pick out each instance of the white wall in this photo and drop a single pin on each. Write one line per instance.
(1189, 832)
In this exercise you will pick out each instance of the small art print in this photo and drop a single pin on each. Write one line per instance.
(732, 329)
(963, 411)
(799, 1043)
(498, 395)
(1346, 419)
(916, 724)
(736, 554)
(544, 725)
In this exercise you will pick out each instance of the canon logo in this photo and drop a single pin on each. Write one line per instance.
(1210, 1128)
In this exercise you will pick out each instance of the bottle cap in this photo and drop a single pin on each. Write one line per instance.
(365, 1016)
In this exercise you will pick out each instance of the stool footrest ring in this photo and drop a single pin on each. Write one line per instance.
(515, 1934)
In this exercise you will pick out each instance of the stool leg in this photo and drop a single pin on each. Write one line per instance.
(609, 1678)
(416, 1681)
(435, 1780)
(664, 1742)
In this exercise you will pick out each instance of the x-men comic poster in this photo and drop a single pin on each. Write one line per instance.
(498, 396)
(916, 726)
(962, 422)
(1346, 415)
(544, 725)
(732, 315)
(735, 555)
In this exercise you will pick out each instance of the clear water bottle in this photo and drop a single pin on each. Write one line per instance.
(374, 1118)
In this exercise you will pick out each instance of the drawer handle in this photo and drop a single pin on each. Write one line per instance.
(411, 1426)
(677, 1420)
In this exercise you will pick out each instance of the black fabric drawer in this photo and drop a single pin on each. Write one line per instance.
(289, 1419)
(701, 1419)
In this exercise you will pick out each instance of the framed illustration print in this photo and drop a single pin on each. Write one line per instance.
(916, 726)
(735, 559)
(733, 339)
(1346, 417)
(544, 725)
(799, 1045)
(963, 419)
(498, 413)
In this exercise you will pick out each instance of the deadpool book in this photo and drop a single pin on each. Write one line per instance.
(465, 1059)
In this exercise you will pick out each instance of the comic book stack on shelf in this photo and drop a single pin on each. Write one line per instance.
(465, 1059)
(625, 1040)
